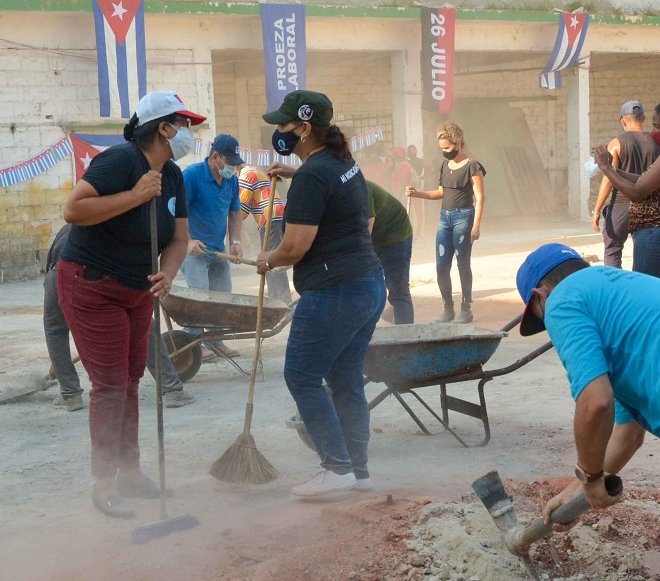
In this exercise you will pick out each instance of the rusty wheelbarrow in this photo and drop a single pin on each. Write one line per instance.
(407, 358)
(218, 317)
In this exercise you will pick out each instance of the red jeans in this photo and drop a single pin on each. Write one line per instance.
(110, 324)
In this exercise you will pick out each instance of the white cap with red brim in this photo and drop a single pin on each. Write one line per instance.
(161, 104)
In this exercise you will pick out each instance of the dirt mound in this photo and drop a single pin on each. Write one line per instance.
(377, 539)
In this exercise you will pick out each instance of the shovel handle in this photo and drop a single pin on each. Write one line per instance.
(564, 515)
(230, 257)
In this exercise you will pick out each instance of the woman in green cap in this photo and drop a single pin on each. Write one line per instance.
(341, 287)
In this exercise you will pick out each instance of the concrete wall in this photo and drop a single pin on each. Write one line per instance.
(367, 65)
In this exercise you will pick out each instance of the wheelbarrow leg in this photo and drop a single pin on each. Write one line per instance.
(411, 413)
(227, 358)
(443, 404)
(467, 408)
(380, 397)
(484, 412)
(428, 408)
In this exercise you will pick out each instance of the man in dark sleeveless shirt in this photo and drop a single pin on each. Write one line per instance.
(633, 151)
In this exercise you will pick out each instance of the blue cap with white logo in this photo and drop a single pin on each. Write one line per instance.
(536, 266)
(227, 145)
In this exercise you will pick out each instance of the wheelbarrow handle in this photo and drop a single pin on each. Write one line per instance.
(511, 324)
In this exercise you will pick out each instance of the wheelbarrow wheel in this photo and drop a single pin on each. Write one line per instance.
(188, 362)
(297, 424)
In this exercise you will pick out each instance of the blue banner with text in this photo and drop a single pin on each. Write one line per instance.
(283, 28)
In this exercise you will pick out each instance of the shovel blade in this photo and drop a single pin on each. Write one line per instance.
(490, 490)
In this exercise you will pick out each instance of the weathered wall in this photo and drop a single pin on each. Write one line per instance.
(217, 69)
(46, 93)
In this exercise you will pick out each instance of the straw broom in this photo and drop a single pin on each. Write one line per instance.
(242, 462)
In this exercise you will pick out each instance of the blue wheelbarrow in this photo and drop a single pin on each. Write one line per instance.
(407, 358)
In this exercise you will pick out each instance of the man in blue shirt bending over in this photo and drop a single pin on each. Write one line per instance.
(605, 324)
(214, 208)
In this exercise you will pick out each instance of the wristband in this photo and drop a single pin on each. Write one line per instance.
(235, 243)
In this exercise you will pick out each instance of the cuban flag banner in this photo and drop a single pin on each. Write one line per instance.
(121, 55)
(283, 30)
(568, 44)
(438, 34)
(86, 146)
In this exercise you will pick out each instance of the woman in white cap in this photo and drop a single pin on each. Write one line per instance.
(106, 286)
(341, 286)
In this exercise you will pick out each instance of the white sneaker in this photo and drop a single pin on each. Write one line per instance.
(325, 482)
(364, 484)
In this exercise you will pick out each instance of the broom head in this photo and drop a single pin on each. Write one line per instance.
(242, 462)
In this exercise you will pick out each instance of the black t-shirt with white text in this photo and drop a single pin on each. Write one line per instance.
(121, 247)
(331, 193)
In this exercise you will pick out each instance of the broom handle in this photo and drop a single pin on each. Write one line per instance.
(249, 407)
(153, 226)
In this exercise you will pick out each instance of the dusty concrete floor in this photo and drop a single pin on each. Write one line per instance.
(51, 531)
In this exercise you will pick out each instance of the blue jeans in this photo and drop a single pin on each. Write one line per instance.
(206, 272)
(454, 237)
(329, 335)
(395, 260)
(646, 251)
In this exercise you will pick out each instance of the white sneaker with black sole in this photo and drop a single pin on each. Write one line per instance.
(325, 482)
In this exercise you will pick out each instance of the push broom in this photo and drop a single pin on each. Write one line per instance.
(177, 522)
(242, 462)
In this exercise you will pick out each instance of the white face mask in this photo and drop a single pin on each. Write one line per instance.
(182, 143)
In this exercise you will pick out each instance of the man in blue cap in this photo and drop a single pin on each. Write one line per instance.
(214, 209)
(605, 325)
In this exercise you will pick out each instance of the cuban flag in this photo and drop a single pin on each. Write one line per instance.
(86, 146)
(121, 54)
(568, 44)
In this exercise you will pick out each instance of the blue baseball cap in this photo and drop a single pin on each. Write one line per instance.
(227, 145)
(631, 108)
(536, 266)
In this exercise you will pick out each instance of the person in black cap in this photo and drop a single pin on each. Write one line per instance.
(604, 325)
(633, 151)
(214, 210)
(341, 287)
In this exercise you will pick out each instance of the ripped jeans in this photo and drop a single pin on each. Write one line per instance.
(454, 237)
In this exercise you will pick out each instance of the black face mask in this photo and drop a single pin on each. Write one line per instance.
(450, 154)
(285, 142)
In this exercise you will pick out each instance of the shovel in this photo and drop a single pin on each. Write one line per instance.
(491, 492)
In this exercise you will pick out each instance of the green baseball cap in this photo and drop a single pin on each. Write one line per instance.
(310, 106)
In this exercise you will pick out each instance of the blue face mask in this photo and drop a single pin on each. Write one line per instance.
(227, 171)
(285, 142)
